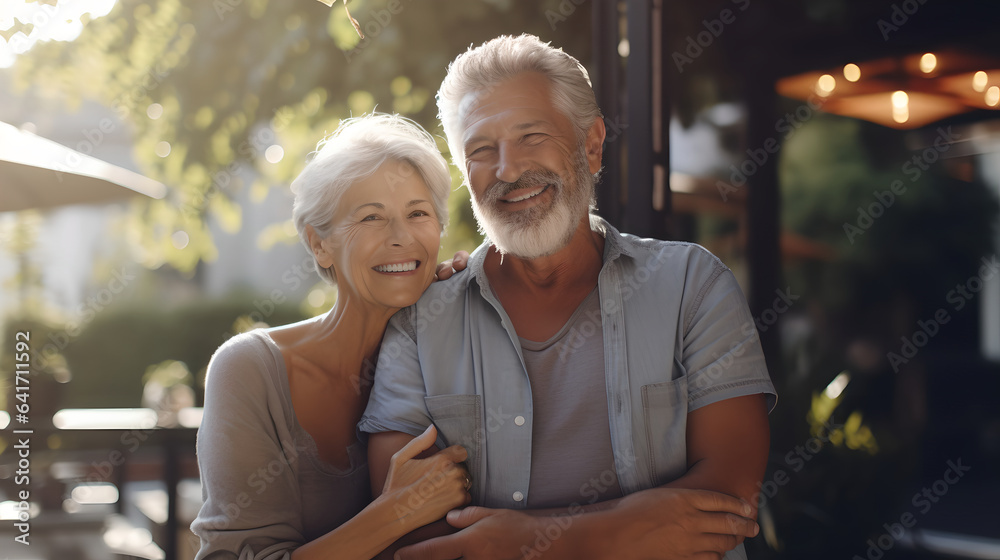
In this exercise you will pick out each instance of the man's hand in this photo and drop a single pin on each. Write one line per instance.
(487, 534)
(670, 523)
(451, 266)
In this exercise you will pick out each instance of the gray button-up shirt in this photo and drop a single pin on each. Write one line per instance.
(677, 336)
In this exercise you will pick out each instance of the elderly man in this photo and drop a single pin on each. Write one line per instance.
(610, 390)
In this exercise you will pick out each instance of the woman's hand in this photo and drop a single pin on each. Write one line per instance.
(424, 490)
(449, 267)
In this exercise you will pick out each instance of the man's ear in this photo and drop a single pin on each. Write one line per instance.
(594, 144)
(323, 256)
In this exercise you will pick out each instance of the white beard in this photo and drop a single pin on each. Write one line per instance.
(538, 231)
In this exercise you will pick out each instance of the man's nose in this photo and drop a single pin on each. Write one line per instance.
(510, 164)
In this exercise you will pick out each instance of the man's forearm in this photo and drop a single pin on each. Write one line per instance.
(436, 529)
(699, 477)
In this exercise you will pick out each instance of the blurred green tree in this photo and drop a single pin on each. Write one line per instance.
(211, 87)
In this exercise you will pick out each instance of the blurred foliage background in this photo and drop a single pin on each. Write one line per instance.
(221, 81)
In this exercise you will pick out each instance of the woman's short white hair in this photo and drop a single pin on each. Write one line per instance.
(358, 147)
(481, 68)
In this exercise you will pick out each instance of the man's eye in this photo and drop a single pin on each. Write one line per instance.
(478, 150)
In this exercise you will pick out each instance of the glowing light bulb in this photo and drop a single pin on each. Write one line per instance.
(993, 96)
(900, 107)
(979, 80)
(825, 85)
(900, 99)
(928, 63)
(852, 72)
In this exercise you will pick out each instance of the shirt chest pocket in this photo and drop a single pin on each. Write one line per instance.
(665, 414)
(458, 419)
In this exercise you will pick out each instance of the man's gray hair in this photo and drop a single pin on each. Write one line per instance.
(353, 153)
(482, 68)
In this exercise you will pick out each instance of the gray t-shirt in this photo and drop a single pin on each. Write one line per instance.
(265, 488)
(571, 455)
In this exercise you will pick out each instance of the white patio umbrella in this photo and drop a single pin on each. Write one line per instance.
(38, 173)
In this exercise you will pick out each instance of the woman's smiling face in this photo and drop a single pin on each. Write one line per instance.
(384, 241)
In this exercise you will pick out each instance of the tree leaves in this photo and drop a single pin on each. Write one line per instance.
(354, 22)
(20, 27)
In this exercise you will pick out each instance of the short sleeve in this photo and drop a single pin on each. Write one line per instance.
(397, 398)
(252, 502)
(721, 350)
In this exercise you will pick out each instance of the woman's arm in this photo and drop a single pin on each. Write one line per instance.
(251, 512)
(248, 509)
(412, 492)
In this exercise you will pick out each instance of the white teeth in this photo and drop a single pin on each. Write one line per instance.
(527, 196)
(401, 267)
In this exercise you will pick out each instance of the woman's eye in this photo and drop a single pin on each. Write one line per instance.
(370, 218)
(418, 214)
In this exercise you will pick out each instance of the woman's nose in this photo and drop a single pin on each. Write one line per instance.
(399, 233)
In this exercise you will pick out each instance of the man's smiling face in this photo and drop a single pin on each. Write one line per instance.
(528, 171)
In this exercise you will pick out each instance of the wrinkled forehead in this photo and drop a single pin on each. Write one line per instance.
(529, 92)
(470, 101)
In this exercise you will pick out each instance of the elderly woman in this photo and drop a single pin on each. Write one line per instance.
(284, 474)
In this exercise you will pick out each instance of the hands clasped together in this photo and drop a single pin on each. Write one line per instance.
(424, 490)
(660, 523)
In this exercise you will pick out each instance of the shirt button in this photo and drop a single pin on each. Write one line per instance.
(519, 420)
(518, 496)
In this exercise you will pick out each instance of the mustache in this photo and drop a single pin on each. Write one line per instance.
(530, 178)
